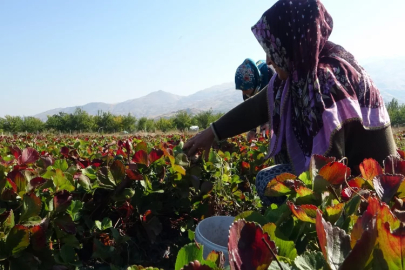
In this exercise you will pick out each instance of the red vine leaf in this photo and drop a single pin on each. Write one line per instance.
(128, 146)
(133, 175)
(369, 169)
(334, 242)
(335, 172)
(64, 151)
(357, 182)
(305, 212)
(29, 155)
(17, 240)
(284, 177)
(155, 154)
(141, 146)
(66, 224)
(394, 165)
(15, 151)
(316, 163)
(36, 182)
(141, 157)
(248, 246)
(118, 171)
(386, 185)
(38, 235)
(31, 206)
(280, 185)
(120, 152)
(346, 194)
(377, 209)
(359, 256)
(334, 212)
(401, 153)
(62, 200)
(392, 245)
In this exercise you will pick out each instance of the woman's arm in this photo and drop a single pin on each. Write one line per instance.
(247, 115)
(253, 130)
(244, 117)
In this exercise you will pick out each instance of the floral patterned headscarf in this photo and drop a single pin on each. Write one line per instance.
(247, 76)
(265, 73)
(250, 75)
(326, 87)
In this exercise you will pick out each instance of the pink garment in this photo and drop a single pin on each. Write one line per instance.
(326, 86)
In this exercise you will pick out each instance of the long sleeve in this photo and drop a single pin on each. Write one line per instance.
(245, 97)
(244, 117)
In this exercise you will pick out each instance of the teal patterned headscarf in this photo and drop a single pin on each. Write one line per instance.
(265, 73)
(250, 75)
(247, 76)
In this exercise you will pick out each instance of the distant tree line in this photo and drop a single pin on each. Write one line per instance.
(396, 112)
(81, 121)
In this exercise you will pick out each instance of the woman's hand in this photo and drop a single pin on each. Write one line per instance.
(265, 129)
(202, 140)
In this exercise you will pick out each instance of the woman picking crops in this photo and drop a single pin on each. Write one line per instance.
(321, 101)
(251, 78)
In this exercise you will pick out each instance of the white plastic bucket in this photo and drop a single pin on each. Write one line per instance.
(213, 234)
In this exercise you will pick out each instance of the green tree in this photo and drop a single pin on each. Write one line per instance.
(145, 124)
(13, 124)
(203, 119)
(118, 123)
(141, 125)
(128, 122)
(396, 112)
(105, 122)
(58, 122)
(2, 122)
(164, 124)
(32, 124)
(80, 120)
(182, 120)
(150, 125)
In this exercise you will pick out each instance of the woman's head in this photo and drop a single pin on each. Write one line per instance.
(292, 33)
(282, 74)
(266, 72)
(247, 77)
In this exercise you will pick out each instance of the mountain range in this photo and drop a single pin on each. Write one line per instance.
(219, 98)
(388, 75)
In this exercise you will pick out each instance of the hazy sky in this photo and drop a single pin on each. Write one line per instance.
(60, 53)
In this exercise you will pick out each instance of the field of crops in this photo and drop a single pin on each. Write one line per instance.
(93, 202)
(109, 201)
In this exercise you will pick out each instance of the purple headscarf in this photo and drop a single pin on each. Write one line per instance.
(326, 86)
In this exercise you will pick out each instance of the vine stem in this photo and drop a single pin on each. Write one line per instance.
(117, 222)
(272, 252)
(330, 188)
(355, 192)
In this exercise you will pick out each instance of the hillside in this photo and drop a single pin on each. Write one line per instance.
(388, 75)
(219, 98)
